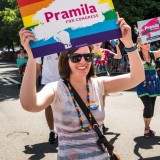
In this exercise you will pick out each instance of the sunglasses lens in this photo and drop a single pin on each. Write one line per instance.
(88, 57)
(75, 58)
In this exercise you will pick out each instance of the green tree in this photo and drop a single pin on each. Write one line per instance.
(10, 23)
(136, 10)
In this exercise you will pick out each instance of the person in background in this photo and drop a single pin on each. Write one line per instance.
(47, 68)
(102, 56)
(149, 89)
(77, 138)
(21, 62)
(158, 45)
(22, 53)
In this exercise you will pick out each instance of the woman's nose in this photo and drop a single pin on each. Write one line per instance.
(82, 60)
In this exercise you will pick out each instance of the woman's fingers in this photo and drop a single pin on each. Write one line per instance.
(26, 36)
(120, 20)
(125, 29)
(27, 39)
(117, 14)
(21, 32)
(122, 23)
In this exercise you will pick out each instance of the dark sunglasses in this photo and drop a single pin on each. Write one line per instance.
(76, 57)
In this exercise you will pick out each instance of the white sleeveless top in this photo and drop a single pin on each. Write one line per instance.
(73, 143)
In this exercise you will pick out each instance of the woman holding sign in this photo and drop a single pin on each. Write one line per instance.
(149, 89)
(77, 136)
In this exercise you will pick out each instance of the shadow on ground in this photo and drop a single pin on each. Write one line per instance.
(39, 150)
(146, 144)
(112, 140)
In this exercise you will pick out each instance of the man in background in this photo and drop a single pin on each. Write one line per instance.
(47, 68)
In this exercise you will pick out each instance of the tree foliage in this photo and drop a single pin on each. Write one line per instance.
(10, 23)
(131, 10)
(137, 10)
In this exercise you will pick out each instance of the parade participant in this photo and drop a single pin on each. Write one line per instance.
(22, 53)
(77, 138)
(149, 89)
(47, 66)
(102, 56)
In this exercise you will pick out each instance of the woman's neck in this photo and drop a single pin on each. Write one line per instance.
(78, 82)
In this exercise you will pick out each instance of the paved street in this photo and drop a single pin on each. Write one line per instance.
(24, 135)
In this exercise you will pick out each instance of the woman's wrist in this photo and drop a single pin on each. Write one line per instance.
(131, 49)
(129, 44)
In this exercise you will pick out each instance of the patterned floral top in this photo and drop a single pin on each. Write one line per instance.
(73, 143)
(151, 85)
(101, 61)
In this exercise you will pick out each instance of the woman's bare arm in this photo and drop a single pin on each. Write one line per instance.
(156, 54)
(30, 100)
(136, 75)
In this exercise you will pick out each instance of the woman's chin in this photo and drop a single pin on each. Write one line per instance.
(82, 72)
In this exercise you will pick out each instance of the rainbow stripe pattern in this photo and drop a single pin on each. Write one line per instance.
(55, 29)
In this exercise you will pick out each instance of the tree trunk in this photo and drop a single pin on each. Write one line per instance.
(12, 45)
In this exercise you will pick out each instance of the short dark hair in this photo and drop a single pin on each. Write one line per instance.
(63, 65)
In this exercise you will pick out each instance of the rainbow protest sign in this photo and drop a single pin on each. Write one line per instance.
(60, 25)
(149, 30)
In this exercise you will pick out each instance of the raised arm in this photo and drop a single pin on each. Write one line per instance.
(156, 54)
(30, 100)
(136, 75)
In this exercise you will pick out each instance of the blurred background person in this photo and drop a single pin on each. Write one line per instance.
(149, 89)
(103, 56)
(101, 59)
(47, 68)
(22, 53)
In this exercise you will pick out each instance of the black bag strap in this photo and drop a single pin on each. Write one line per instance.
(95, 125)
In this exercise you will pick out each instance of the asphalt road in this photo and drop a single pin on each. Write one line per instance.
(24, 135)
